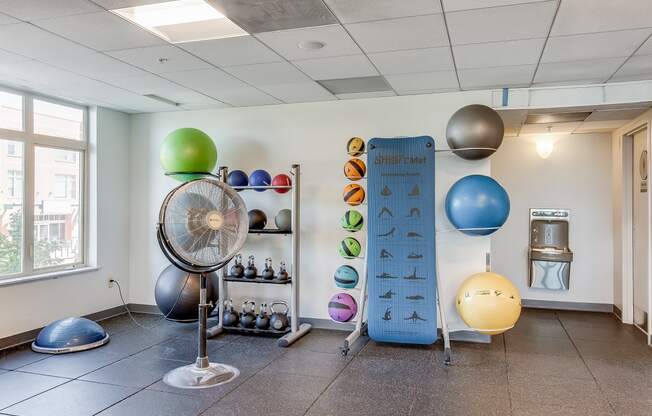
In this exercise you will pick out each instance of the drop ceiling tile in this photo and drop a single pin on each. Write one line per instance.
(143, 84)
(522, 21)
(103, 31)
(214, 104)
(119, 4)
(555, 128)
(422, 82)
(491, 54)
(404, 33)
(636, 65)
(185, 96)
(286, 42)
(299, 92)
(498, 77)
(569, 71)
(588, 16)
(239, 50)
(6, 20)
(8, 57)
(513, 120)
(37, 43)
(256, 16)
(646, 48)
(631, 78)
(30, 10)
(348, 11)
(610, 115)
(594, 46)
(415, 60)
(365, 95)
(599, 126)
(150, 59)
(267, 74)
(337, 67)
(97, 66)
(574, 82)
(244, 97)
(205, 80)
(456, 5)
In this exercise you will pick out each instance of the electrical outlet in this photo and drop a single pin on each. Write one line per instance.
(110, 283)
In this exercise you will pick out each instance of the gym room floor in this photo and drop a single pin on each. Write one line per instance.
(552, 363)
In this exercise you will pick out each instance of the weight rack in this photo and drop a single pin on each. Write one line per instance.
(295, 330)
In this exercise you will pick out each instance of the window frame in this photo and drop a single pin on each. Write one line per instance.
(31, 141)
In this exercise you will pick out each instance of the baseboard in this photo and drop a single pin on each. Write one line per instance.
(567, 306)
(143, 308)
(618, 312)
(29, 336)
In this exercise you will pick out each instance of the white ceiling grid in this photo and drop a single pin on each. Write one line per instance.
(78, 50)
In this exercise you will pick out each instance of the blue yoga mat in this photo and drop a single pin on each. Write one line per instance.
(401, 240)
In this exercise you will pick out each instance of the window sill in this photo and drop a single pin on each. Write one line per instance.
(45, 276)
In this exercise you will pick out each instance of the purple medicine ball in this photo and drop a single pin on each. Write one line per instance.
(342, 307)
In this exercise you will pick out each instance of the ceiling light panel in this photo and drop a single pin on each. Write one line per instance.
(182, 20)
(256, 16)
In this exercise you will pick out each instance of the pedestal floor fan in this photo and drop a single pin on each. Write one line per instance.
(202, 225)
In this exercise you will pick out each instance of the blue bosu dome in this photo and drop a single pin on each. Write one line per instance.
(70, 335)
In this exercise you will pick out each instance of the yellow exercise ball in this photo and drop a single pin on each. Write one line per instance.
(488, 303)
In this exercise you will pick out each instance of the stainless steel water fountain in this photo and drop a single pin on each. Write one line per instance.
(550, 256)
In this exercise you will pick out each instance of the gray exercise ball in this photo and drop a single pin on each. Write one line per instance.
(475, 126)
(283, 220)
(171, 282)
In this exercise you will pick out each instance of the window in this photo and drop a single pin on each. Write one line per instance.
(42, 194)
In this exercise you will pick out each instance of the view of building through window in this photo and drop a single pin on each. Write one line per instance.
(11, 111)
(58, 120)
(11, 208)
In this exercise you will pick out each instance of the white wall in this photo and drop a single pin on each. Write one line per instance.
(313, 135)
(35, 304)
(577, 176)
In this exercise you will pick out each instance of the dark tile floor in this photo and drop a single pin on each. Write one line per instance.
(552, 363)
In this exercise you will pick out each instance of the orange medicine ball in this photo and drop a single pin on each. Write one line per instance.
(353, 194)
(355, 169)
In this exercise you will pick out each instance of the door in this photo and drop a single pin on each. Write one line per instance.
(641, 227)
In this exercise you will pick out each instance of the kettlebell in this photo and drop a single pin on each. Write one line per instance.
(282, 273)
(237, 269)
(247, 315)
(279, 320)
(251, 272)
(230, 317)
(268, 272)
(262, 320)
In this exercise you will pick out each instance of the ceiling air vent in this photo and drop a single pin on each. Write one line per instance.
(161, 99)
(353, 85)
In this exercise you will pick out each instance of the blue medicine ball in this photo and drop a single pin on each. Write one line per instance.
(477, 201)
(260, 178)
(237, 178)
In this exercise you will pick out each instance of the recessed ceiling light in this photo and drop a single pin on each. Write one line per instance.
(182, 20)
(311, 44)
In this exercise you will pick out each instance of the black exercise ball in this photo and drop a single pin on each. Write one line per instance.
(257, 219)
(171, 282)
(475, 126)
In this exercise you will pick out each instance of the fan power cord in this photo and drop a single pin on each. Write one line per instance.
(131, 316)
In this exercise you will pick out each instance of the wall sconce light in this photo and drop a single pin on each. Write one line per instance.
(545, 145)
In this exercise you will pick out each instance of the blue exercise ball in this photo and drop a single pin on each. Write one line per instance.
(260, 178)
(477, 201)
(70, 335)
(237, 178)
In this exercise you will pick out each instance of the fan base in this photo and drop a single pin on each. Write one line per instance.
(194, 377)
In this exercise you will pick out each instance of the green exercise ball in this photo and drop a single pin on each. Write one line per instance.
(188, 150)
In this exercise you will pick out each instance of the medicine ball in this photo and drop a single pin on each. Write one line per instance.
(355, 146)
(342, 307)
(350, 248)
(237, 178)
(346, 277)
(353, 194)
(260, 178)
(281, 180)
(475, 126)
(257, 219)
(352, 220)
(177, 294)
(283, 220)
(355, 169)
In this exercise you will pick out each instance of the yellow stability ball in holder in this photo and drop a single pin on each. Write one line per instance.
(488, 303)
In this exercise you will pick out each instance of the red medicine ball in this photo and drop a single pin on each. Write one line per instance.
(281, 180)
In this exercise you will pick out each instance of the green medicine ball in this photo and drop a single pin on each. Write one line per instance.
(350, 248)
(188, 150)
(352, 220)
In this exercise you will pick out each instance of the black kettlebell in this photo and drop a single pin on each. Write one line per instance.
(268, 272)
(251, 272)
(248, 317)
(279, 320)
(230, 316)
(237, 270)
(262, 320)
(282, 272)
